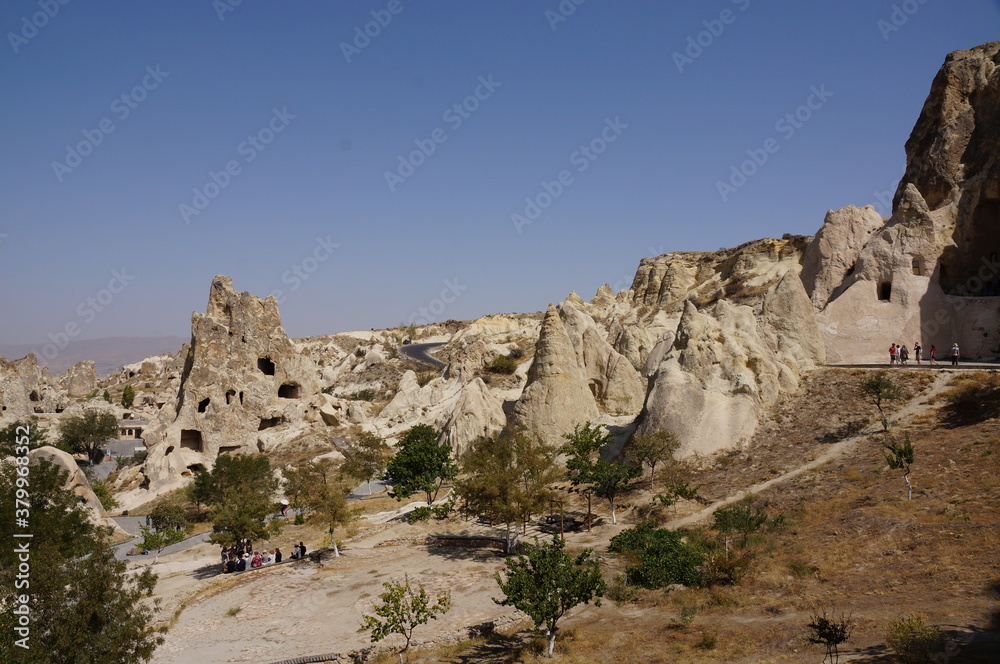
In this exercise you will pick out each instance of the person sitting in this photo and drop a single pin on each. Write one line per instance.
(277, 555)
(295, 552)
(231, 565)
(265, 558)
(302, 550)
(256, 561)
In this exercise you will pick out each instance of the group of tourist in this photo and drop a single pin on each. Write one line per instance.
(242, 557)
(901, 354)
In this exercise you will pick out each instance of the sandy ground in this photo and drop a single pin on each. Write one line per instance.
(301, 608)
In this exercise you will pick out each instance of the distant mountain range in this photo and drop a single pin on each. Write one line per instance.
(108, 354)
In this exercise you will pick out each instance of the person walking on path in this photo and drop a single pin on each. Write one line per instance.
(954, 354)
(916, 351)
(933, 359)
(892, 354)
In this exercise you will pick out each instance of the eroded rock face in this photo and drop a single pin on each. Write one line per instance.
(832, 254)
(81, 379)
(17, 382)
(77, 484)
(241, 377)
(612, 379)
(477, 413)
(932, 272)
(556, 397)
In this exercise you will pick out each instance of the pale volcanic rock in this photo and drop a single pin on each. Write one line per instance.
(81, 379)
(477, 413)
(241, 376)
(77, 483)
(835, 249)
(18, 381)
(932, 272)
(713, 384)
(613, 380)
(556, 397)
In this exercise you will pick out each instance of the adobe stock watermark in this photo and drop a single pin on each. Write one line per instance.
(87, 311)
(581, 158)
(22, 538)
(563, 11)
(454, 116)
(122, 107)
(301, 271)
(223, 7)
(248, 148)
(437, 306)
(364, 34)
(786, 127)
(883, 200)
(698, 43)
(898, 17)
(30, 26)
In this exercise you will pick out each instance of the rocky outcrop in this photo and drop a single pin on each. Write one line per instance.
(832, 254)
(241, 377)
(77, 483)
(16, 387)
(556, 397)
(613, 381)
(81, 379)
(477, 413)
(932, 272)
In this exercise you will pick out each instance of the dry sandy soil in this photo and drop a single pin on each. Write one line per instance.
(851, 541)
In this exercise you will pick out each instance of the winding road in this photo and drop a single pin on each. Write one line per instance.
(421, 353)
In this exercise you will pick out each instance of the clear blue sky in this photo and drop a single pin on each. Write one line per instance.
(69, 223)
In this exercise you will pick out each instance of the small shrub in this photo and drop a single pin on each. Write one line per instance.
(913, 641)
(425, 377)
(420, 514)
(830, 632)
(619, 591)
(362, 395)
(802, 570)
(300, 519)
(103, 494)
(444, 510)
(360, 352)
(708, 641)
(502, 364)
(233, 611)
(687, 614)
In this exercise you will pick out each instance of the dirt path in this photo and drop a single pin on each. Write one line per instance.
(915, 407)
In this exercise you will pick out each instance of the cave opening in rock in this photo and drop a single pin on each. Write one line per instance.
(230, 395)
(268, 422)
(203, 405)
(288, 391)
(191, 440)
(266, 366)
(34, 396)
(885, 291)
(227, 449)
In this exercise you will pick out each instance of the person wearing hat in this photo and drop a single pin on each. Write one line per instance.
(954, 354)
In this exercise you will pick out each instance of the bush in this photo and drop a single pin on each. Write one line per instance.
(502, 364)
(425, 377)
(420, 514)
(913, 641)
(663, 557)
(362, 395)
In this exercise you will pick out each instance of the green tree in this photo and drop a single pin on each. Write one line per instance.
(128, 396)
(504, 479)
(324, 496)
(241, 492)
(880, 389)
(420, 464)
(107, 395)
(84, 607)
(913, 641)
(366, 457)
(604, 479)
(745, 518)
(403, 610)
(20, 433)
(546, 582)
(651, 449)
(88, 433)
(168, 525)
(662, 556)
(199, 492)
(103, 493)
(900, 457)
